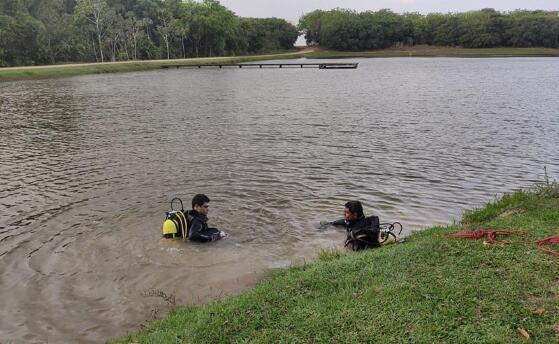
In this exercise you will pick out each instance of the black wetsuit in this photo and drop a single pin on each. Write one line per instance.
(198, 228)
(361, 233)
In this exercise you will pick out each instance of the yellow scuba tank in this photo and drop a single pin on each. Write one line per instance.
(386, 238)
(175, 224)
(169, 228)
(387, 234)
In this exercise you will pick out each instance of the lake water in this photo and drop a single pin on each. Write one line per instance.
(90, 163)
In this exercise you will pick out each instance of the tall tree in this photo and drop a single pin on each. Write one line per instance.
(310, 24)
(115, 33)
(164, 28)
(134, 30)
(56, 37)
(97, 14)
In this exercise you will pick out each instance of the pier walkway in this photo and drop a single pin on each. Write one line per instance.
(327, 65)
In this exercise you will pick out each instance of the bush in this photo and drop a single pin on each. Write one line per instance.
(547, 189)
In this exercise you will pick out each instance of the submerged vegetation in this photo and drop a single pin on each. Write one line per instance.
(430, 289)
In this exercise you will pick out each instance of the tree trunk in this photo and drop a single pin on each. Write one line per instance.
(135, 49)
(167, 45)
(127, 52)
(113, 48)
(94, 50)
(99, 41)
(51, 53)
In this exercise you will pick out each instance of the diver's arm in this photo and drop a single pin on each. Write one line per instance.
(339, 223)
(196, 232)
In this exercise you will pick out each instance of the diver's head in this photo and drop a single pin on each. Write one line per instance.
(201, 204)
(353, 210)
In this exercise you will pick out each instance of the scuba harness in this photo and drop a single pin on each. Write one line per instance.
(387, 233)
(175, 223)
(374, 234)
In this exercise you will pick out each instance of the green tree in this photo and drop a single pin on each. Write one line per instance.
(164, 29)
(20, 39)
(134, 31)
(266, 34)
(480, 29)
(56, 38)
(179, 31)
(218, 27)
(94, 16)
(418, 28)
(115, 37)
(310, 25)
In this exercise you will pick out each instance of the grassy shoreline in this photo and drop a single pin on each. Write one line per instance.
(65, 70)
(430, 289)
(432, 51)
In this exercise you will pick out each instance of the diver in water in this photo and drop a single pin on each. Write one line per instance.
(198, 221)
(362, 232)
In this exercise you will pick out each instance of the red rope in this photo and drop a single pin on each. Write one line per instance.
(550, 240)
(492, 234)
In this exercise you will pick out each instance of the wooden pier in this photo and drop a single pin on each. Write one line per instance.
(327, 65)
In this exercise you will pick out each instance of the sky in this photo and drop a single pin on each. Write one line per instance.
(293, 9)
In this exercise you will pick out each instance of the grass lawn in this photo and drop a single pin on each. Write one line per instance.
(432, 51)
(429, 289)
(37, 72)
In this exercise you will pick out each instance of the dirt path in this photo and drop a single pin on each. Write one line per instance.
(164, 61)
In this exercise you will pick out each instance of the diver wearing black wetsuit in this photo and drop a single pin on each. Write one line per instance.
(197, 220)
(362, 232)
(198, 230)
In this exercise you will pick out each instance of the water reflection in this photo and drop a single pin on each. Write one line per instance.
(90, 163)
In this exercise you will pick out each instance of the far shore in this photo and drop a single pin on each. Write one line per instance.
(73, 69)
(433, 51)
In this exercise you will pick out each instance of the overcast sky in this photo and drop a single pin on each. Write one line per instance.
(293, 9)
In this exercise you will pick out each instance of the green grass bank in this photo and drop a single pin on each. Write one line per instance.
(38, 72)
(432, 51)
(65, 70)
(429, 289)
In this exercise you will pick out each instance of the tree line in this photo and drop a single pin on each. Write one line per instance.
(342, 29)
(57, 31)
